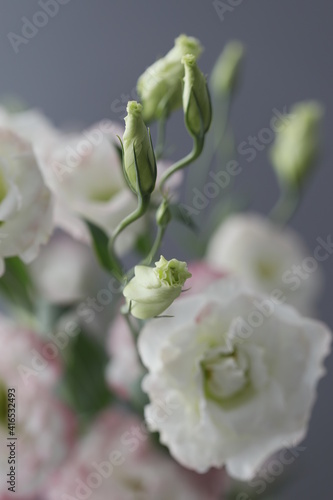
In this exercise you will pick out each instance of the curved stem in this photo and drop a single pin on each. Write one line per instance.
(138, 212)
(193, 155)
(155, 247)
(285, 207)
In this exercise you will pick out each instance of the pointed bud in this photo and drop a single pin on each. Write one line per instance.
(138, 154)
(196, 99)
(160, 86)
(163, 214)
(225, 74)
(296, 146)
(152, 290)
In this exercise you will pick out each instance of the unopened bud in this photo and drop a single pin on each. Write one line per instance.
(138, 154)
(296, 146)
(160, 86)
(196, 99)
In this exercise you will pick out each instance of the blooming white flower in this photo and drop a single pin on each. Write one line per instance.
(267, 257)
(152, 290)
(239, 372)
(25, 201)
(115, 460)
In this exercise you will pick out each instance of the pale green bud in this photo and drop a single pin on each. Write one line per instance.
(138, 152)
(296, 146)
(152, 290)
(196, 99)
(160, 86)
(226, 71)
(163, 214)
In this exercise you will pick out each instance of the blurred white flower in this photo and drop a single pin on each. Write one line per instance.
(124, 368)
(25, 201)
(239, 372)
(44, 428)
(65, 270)
(32, 126)
(266, 257)
(116, 461)
(84, 172)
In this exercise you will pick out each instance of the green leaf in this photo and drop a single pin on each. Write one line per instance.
(16, 285)
(84, 385)
(144, 243)
(103, 251)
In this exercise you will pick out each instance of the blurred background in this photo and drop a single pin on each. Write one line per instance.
(82, 66)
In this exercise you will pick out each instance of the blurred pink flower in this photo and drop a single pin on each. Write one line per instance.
(44, 427)
(203, 275)
(116, 461)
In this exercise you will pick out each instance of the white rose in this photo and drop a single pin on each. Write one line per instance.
(25, 201)
(238, 373)
(266, 257)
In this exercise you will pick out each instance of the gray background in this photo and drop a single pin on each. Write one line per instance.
(91, 52)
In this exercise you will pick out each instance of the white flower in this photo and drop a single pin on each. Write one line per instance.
(84, 172)
(25, 201)
(239, 372)
(267, 257)
(65, 270)
(33, 126)
(124, 369)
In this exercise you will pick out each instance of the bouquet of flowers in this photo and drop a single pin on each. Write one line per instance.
(127, 373)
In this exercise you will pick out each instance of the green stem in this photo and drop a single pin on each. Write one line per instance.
(138, 212)
(155, 247)
(286, 206)
(133, 330)
(198, 144)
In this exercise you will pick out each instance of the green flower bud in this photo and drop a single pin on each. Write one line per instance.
(196, 99)
(296, 146)
(226, 71)
(138, 154)
(160, 86)
(152, 290)
(163, 214)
